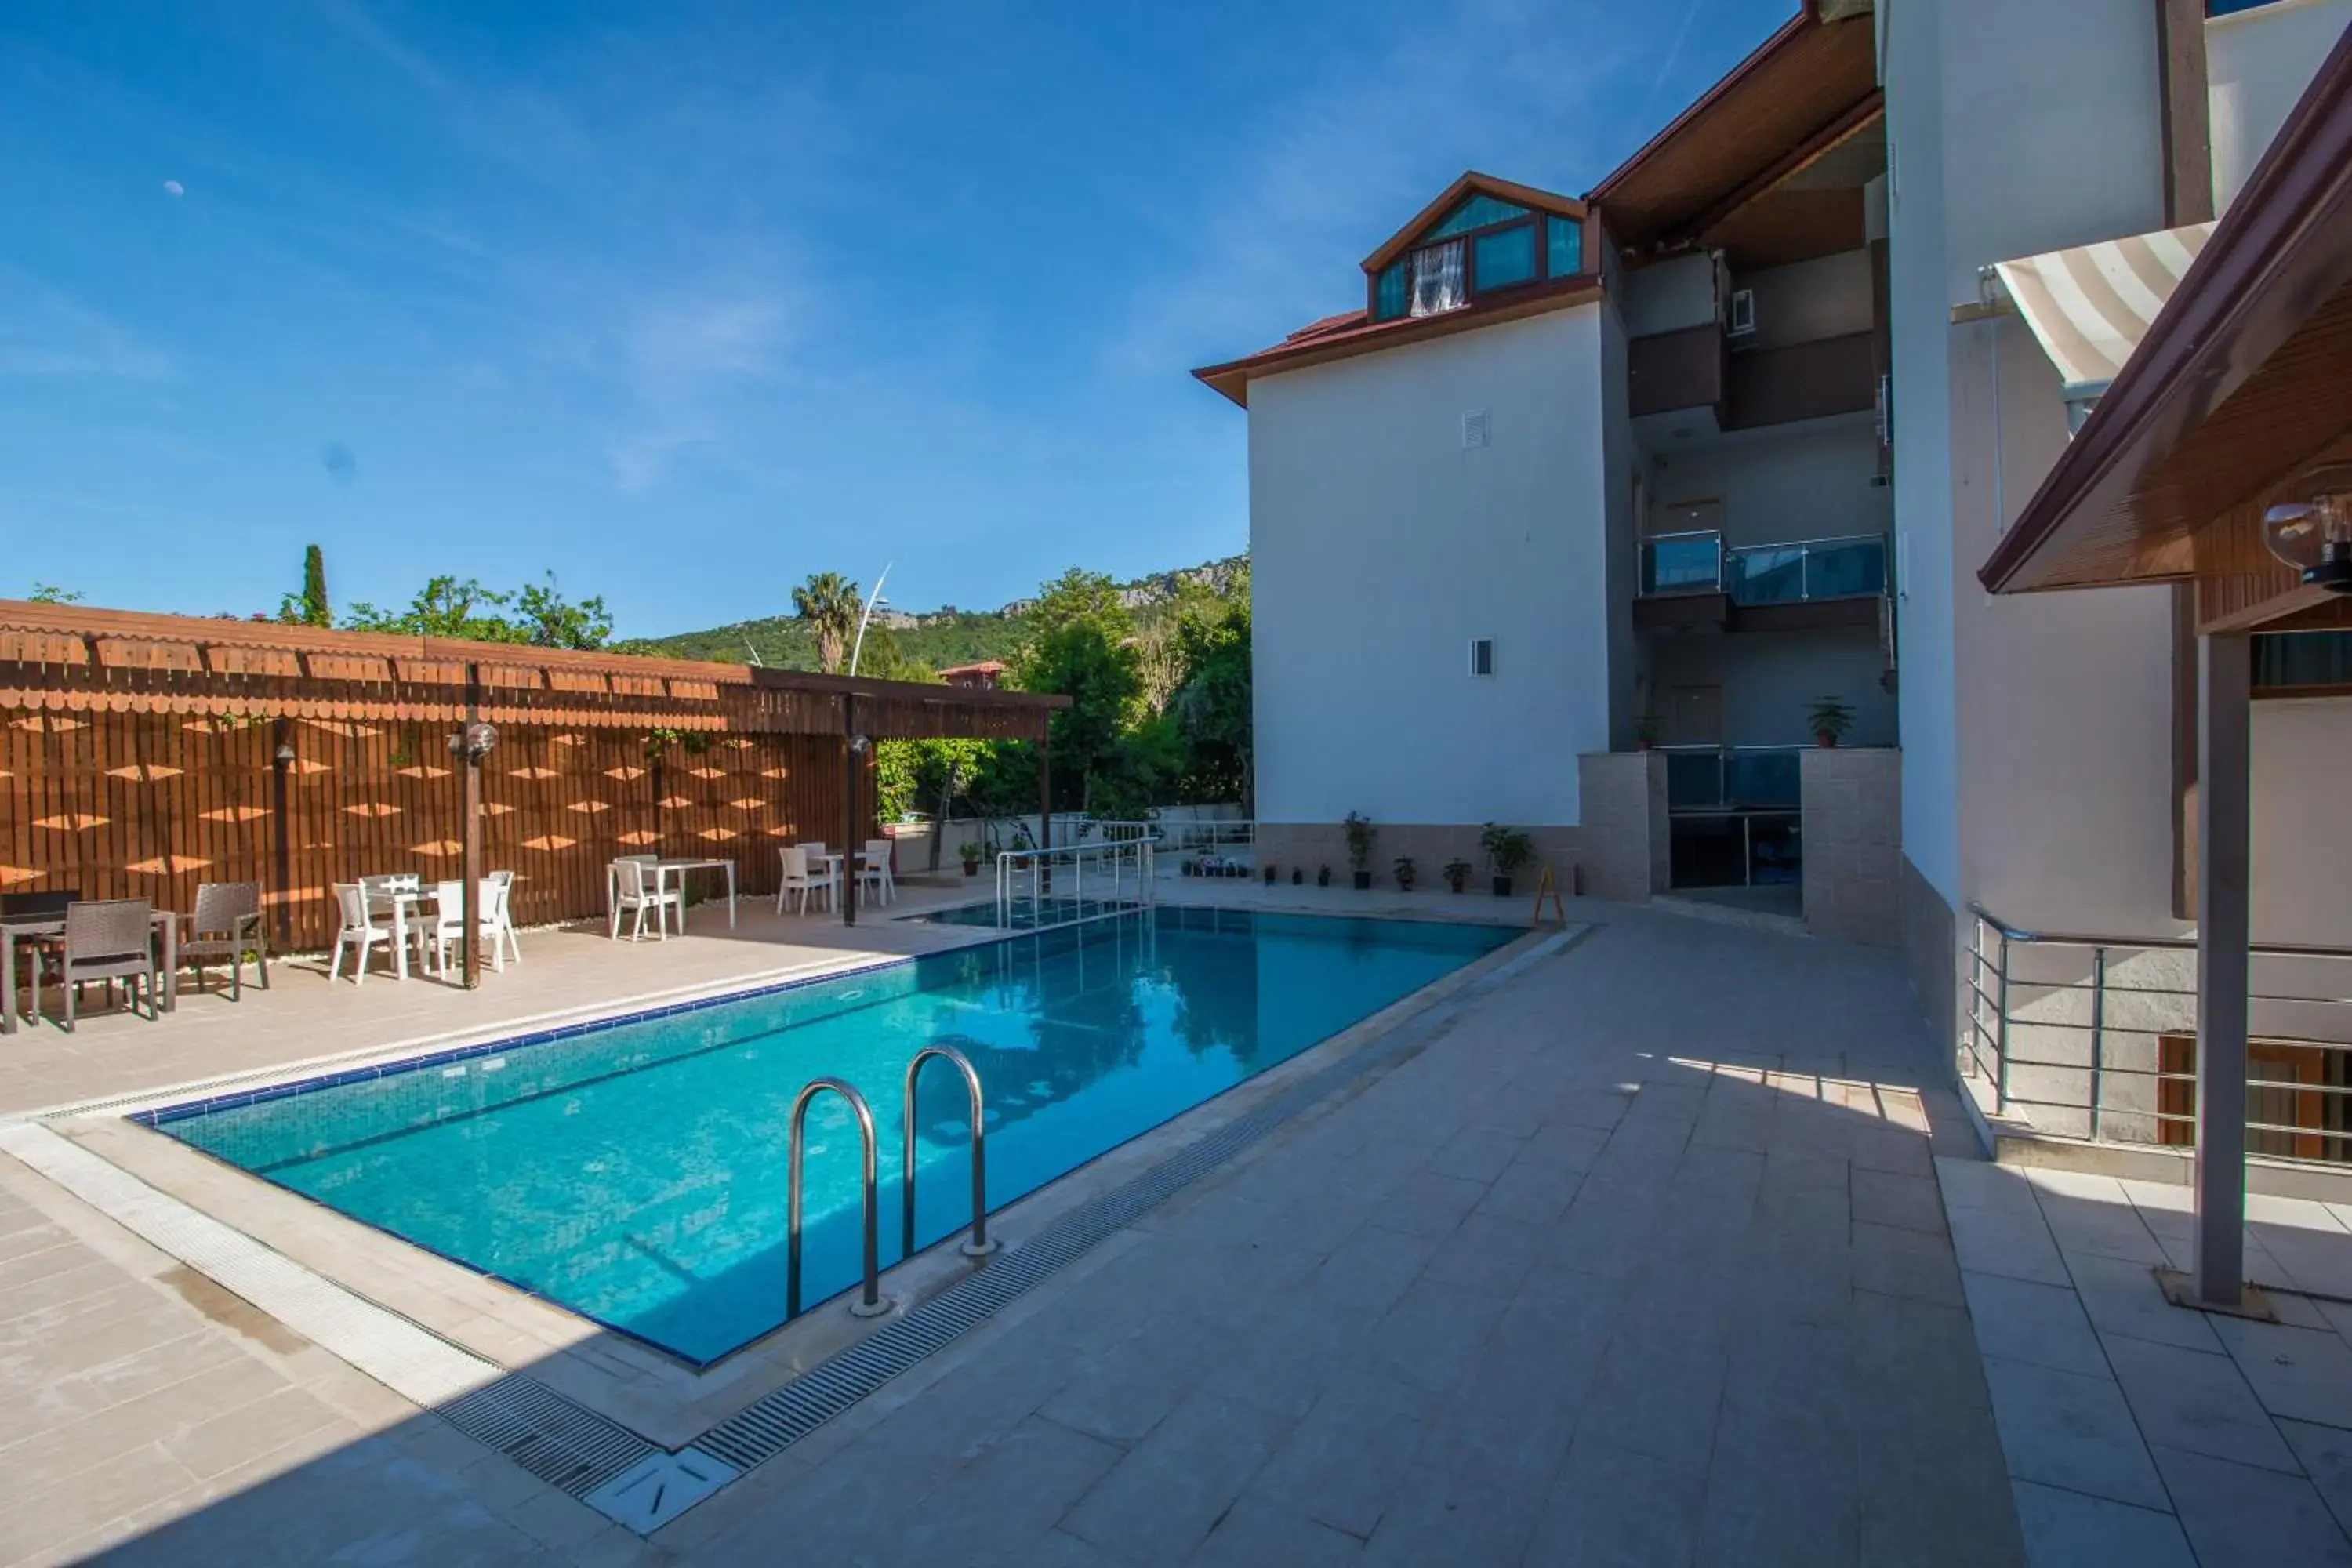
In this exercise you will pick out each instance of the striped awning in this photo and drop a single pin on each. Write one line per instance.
(2090, 306)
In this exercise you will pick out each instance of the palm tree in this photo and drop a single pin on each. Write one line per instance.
(828, 602)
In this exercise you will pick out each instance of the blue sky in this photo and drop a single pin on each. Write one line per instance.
(683, 301)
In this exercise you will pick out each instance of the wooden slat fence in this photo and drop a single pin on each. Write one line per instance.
(149, 804)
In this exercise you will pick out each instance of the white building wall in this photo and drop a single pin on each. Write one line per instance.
(1380, 545)
(2036, 731)
(1769, 680)
(2302, 859)
(2257, 64)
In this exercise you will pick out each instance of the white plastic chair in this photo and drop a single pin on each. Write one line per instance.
(641, 889)
(360, 931)
(504, 932)
(800, 882)
(446, 924)
(828, 878)
(873, 871)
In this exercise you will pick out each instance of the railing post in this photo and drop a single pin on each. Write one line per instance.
(2000, 1035)
(2098, 1032)
(871, 1302)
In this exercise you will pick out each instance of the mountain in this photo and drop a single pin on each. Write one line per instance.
(933, 639)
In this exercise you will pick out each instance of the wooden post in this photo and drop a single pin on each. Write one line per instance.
(1046, 790)
(285, 849)
(2218, 1267)
(473, 873)
(850, 837)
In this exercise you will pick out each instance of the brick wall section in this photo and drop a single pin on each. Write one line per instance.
(1853, 825)
(1626, 837)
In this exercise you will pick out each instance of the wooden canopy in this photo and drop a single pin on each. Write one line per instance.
(64, 659)
(2238, 388)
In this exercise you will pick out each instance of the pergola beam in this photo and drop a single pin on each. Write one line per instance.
(2224, 929)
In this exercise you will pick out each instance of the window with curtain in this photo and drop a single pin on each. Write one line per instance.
(1504, 256)
(1564, 243)
(1438, 278)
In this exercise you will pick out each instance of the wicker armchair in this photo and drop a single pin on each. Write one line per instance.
(108, 940)
(227, 925)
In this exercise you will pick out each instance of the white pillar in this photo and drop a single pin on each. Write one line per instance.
(2224, 702)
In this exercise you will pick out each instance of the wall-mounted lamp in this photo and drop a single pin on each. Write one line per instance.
(474, 741)
(284, 756)
(2313, 534)
(858, 743)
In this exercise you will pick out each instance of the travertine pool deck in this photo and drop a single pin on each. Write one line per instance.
(1639, 1255)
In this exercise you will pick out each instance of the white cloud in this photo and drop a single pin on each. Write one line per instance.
(45, 334)
(174, 188)
(687, 358)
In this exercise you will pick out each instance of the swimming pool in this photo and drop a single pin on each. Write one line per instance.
(633, 1170)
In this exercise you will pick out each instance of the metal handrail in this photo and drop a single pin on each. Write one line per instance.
(1809, 543)
(1990, 964)
(979, 1244)
(871, 1302)
(1120, 852)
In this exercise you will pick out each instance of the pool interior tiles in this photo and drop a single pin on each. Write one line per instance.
(631, 1170)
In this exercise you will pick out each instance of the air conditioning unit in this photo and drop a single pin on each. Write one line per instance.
(1743, 313)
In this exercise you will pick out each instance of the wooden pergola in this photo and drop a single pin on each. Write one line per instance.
(2235, 400)
(139, 753)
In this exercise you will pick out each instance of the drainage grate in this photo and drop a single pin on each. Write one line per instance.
(546, 1434)
(764, 1429)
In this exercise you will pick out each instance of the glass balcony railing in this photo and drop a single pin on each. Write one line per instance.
(1732, 778)
(1802, 572)
(1682, 564)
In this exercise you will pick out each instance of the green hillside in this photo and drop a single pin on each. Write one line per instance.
(937, 641)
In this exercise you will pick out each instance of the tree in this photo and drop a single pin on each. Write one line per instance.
(551, 621)
(309, 608)
(1079, 646)
(50, 593)
(1213, 705)
(829, 603)
(444, 607)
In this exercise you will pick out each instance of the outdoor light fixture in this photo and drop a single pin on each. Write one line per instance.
(858, 743)
(474, 741)
(2313, 535)
(284, 756)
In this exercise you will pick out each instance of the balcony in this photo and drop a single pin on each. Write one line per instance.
(1692, 580)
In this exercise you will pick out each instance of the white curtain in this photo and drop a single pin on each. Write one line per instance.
(1437, 283)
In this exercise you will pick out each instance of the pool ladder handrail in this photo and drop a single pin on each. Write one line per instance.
(977, 1245)
(871, 1302)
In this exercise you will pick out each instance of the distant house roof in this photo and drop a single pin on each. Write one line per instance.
(1351, 332)
(985, 667)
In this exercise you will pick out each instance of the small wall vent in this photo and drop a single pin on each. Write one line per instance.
(1743, 313)
(1482, 656)
(1476, 431)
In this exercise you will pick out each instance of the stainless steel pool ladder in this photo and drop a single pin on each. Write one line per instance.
(871, 1302)
(976, 1244)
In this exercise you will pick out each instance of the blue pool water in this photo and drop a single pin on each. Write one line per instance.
(634, 1173)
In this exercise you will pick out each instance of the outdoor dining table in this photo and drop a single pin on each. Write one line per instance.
(666, 869)
(403, 902)
(14, 929)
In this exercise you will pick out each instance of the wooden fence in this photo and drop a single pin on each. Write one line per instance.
(149, 804)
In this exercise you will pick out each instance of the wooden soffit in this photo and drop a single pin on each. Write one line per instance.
(2238, 386)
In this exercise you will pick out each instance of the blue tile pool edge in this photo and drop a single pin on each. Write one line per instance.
(232, 1099)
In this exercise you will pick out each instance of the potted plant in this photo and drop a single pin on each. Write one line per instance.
(1458, 873)
(1298, 876)
(1830, 718)
(1645, 732)
(1507, 849)
(970, 854)
(1323, 878)
(1269, 876)
(1361, 834)
(1404, 873)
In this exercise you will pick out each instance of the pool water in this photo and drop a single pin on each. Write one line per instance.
(633, 1171)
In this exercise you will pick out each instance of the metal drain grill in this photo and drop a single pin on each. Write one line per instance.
(546, 1434)
(764, 1429)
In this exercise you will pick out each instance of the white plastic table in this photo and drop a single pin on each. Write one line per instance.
(679, 869)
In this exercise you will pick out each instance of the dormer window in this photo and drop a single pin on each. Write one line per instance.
(1481, 245)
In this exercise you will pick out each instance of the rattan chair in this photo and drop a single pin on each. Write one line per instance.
(108, 940)
(227, 924)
